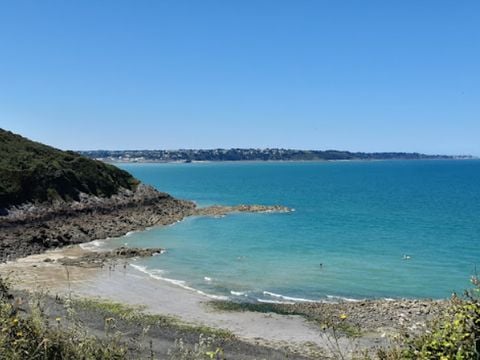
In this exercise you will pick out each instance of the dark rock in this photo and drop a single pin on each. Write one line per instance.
(30, 229)
(97, 259)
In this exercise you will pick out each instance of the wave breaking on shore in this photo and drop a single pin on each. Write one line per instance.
(253, 296)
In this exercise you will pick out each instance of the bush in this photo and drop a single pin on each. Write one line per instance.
(33, 172)
(455, 335)
(29, 335)
(203, 350)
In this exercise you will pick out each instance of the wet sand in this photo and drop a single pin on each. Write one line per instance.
(123, 283)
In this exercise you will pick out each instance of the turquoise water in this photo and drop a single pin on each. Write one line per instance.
(358, 219)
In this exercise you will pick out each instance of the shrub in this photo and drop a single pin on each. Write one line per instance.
(455, 335)
(33, 172)
(30, 335)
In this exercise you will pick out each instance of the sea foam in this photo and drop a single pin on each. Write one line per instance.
(295, 299)
(155, 274)
(238, 293)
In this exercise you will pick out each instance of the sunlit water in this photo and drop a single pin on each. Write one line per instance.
(352, 226)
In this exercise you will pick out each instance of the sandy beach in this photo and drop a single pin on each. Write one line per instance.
(123, 283)
(119, 281)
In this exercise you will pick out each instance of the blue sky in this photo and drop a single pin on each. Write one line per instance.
(354, 75)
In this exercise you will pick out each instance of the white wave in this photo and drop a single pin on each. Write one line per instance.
(275, 302)
(155, 272)
(238, 293)
(140, 268)
(211, 296)
(206, 278)
(341, 298)
(130, 233)
(176, 222)
(154, 275)
(288, 297)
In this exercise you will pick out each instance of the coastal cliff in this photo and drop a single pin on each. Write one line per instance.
(31, 172)
(30, 228)
(51, 198)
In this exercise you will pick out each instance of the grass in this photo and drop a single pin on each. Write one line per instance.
(136, 314)
(32, 335)
(230, 306)
(325, 322)
(27, 332)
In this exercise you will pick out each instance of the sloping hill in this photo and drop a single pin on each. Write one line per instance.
(33, 172)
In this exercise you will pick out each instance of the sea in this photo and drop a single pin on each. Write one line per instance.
(357, 230)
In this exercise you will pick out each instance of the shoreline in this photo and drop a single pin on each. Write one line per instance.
(366, 324)
(275, 161)
(122, 283)
(33, 228)
(42, 264)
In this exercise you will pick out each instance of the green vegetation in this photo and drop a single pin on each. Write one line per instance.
(455, 335)
(221, 305)
(33, 172)
(339, 323)
(32, 336)
(136, 315)
(203, 350)
(189, 155)
(27, 332)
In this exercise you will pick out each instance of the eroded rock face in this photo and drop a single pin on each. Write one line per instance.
(31, 229)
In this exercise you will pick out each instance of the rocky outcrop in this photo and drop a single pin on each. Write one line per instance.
(219, 210)
(371, 315)
(30, 229)
(33, 228)
(98, 259)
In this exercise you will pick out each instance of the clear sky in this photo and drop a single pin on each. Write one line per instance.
(361, 75)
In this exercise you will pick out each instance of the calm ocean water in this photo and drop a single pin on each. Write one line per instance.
(358, 219)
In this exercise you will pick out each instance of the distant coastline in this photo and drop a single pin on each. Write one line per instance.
(263, 155)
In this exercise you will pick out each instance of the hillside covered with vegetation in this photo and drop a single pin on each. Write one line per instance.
(33, 172)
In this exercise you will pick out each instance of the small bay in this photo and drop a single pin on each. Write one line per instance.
(383, 229)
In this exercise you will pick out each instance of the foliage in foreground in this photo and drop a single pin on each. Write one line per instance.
(136, 314)
(203, 350)
(27, 332)
(455, 335)
(31, 335)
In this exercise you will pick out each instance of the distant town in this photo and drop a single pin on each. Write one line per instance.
(190, 155)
